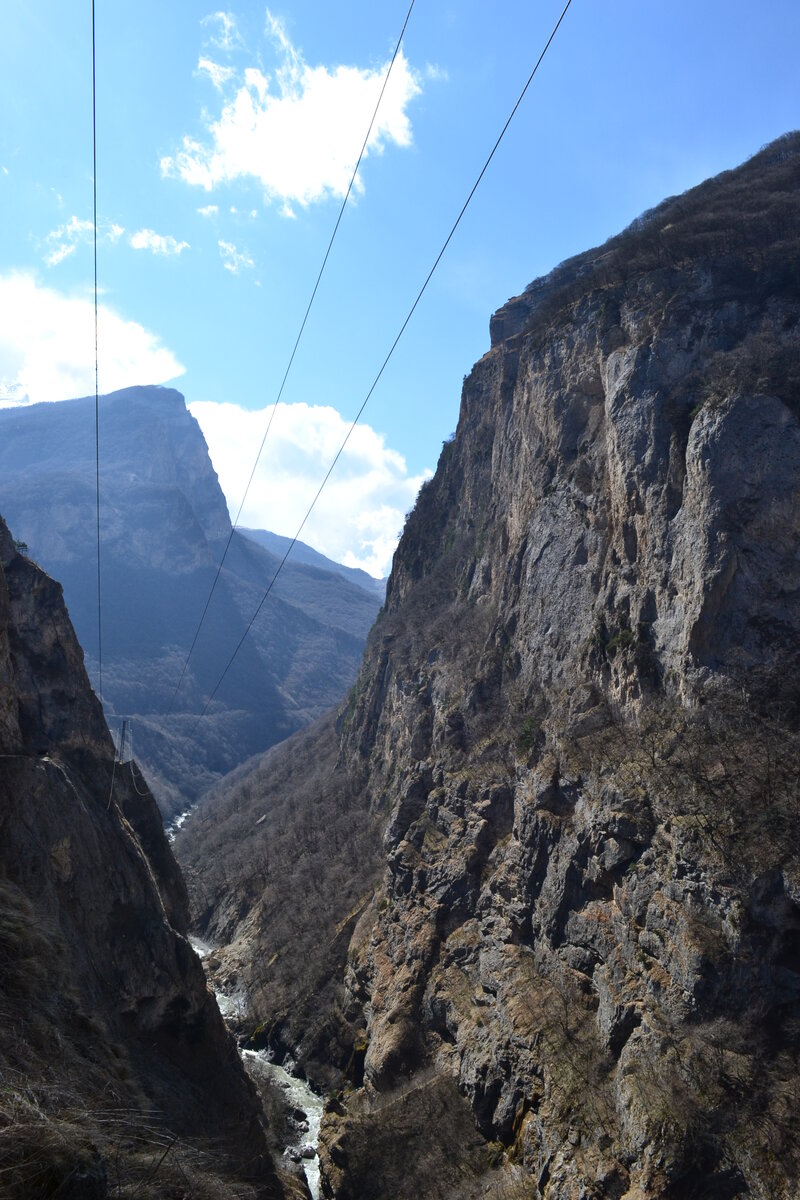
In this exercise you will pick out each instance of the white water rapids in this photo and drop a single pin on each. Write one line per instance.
(297, 1094)
(173, 827)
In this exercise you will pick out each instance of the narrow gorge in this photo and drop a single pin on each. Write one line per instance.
(528, 906)
(524, 910)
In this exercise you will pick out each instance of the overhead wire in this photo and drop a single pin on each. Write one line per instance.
(292, 356)
(385, 362)
(111, 789)
(96, 361)
(136, 787)
(97, 392)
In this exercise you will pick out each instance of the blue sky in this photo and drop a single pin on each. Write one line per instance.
(225, 138)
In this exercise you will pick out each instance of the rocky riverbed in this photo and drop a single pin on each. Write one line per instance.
(298, 1106)
(305, 1111)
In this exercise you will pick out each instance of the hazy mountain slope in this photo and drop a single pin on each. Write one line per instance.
(278, 545)
(112, 1049)
(577, 724)
(164, 524)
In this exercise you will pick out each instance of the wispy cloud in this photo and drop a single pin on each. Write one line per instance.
(54, 257)
(298, 131)
(47, 345)
(218, 75)
(209, 210)
(234, 260)
(361, 512)
(436, 73)
(226, 36)
(158, 243)
(63, 241)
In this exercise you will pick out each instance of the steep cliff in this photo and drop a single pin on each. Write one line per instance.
(112, 1050)
(576, 729)
(164, 525)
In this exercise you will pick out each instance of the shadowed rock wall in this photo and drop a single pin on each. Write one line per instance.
(112, 1044)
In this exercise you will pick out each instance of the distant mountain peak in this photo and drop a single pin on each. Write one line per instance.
(164, 521)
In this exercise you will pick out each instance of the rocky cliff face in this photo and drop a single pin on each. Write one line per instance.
(164, 525)
(577, 724)
(112, 1050)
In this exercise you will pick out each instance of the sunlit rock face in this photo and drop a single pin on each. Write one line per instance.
(574, 970)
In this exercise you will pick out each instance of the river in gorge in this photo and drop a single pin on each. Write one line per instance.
(303, 1104)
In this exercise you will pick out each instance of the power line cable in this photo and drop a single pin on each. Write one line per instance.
(385, 362)
(292, 357)
(96, 370)
(136, 787)
(111, 789)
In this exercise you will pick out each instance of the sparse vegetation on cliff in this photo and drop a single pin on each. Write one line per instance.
(575, 747)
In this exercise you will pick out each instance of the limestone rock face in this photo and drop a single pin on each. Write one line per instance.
(568, 925)
(106, 1007)
(577, 720)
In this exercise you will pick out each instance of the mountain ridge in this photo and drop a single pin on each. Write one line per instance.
(278, 544)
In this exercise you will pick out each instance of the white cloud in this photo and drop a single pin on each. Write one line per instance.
(276, 30)
(436, 73)
(218, 75)
(158, 243)
(228, 37)
(359, 515)
(232, 259)
(209, 210)
(299, 131)
(64, 240)
(59, 254)
(47, 345)
(257, 81)
(73, 228)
